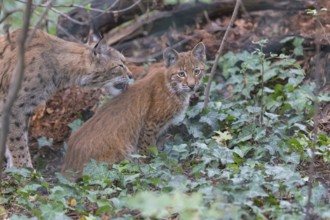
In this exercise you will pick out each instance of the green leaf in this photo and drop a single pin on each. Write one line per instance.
(252, 109)
(75, 124)
(153, 150)
(195, 110)
(105, 206)
(53, 211)
(22, 217)
(131, 178)
(44, 141)
(242, 150)
(88, 7)
(24, 172)
(298, 46)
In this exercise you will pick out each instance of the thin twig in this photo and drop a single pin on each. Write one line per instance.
(144, 59)
(15, 83)
(323, 29)
(8, 13)
(42, 17)
(84, 7)
(64, 6)
(109, 8)
(218, 54)
(67, 16)
(71, 37)
(113, 5)
(245, 12)
(126, 9)
(309, 205)
(262, 89)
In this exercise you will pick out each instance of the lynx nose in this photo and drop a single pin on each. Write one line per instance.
(192, 87)
(129, 74)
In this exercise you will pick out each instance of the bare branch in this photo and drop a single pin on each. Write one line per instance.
(309, 205)
(15, 82)
(71, 37)
(84, 7)
(218, 54)
(42, 17)
(128, 8)
(8, 13)
(63, 6)
(67, 16)
(151, 57)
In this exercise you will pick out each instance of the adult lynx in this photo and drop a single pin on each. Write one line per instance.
(136, 118)
(50, 64)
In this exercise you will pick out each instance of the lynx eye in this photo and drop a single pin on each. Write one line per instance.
(121, 66)
(181, 74)
(197, 71)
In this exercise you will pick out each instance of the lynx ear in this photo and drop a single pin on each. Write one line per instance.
(170, 57)
(199, 51)
(100, 47)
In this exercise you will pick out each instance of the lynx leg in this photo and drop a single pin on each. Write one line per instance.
(9, 158)
(17, 141)
(148, 138)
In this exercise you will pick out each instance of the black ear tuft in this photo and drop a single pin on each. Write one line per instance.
(199, 51)
(170, 56)
(101, 46)
(100, 39)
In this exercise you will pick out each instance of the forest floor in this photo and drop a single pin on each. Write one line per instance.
(52, 120)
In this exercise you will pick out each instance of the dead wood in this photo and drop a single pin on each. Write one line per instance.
(176, 16)
(100, 17)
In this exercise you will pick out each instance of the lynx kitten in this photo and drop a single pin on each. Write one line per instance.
(135, 119)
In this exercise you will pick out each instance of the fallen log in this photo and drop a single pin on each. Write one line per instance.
(177, 16)
(100, 16)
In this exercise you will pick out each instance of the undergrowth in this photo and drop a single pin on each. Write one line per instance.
(239, 159)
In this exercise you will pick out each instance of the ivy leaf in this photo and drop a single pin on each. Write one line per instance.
(75, 124)
(22, 217)
(200, 145)
(105, 206)
(242, 150)
(195, 110)
(131, 178)
(44, 141)
(269, 74)
(253, 109)
(211, 119)
(24, 172)
(293, 158)
(195, 130)
(53, 212)
(298, 46)
(222, 137)
(224, 154)
(324, 97)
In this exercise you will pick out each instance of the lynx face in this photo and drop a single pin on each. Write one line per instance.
(186, 71)
(110, 70)
(120, 81)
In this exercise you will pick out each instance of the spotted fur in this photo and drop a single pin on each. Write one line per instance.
(50, 64)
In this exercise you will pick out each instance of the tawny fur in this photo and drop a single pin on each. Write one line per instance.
(135, 119)
(50, 64)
